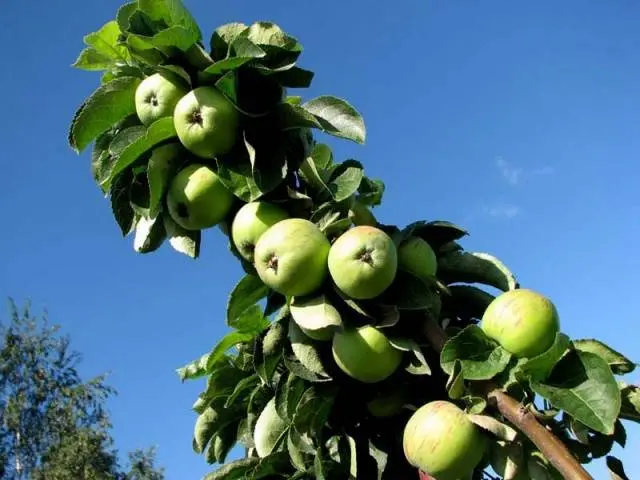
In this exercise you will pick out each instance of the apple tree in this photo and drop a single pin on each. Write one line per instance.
(356, 348)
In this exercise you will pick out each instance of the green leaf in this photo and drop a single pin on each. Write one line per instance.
(408, 292)
(105, 42)
(476, 268)
(314, 408)
(539, 367)
(620, 365)
(247, 292)
(299, 370)
(90, 59)
(467, 301)
(227, 342)
(177, 74)
(124, 13)
(163, 164)
(120, 204)
(194, 369)
(295, 77)
(296, 453)
(223, 37)
(474, 404)
(337, 117)
(437, 233)
(630, 408)
(481, 358)
(107, 105)
(282, 49)
(242, 388)
(371, 191)
(306, 351)
(183, 241)
(329, 114)
(315, 312)
(253, 468)
(288, 395)
(223, 442)
(455, 383)
(268, 351)
(410, 345)
(150, 234)
(501, 430)
(311, 173)
(583, 385)
(616, 469)
(346, 179)
(251, 320)
(159, 131)
(207, 424)
(173, 13)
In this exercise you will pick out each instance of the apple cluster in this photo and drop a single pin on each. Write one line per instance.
(295, 258)
(206, 124)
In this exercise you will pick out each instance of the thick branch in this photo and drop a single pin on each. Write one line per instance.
(551, 447)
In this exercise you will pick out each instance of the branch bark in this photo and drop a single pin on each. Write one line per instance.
(551, 447)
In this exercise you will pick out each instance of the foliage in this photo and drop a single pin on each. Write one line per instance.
(53, 424)
(328, 430)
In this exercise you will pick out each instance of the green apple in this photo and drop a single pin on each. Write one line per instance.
(363, 262)
(524, 322)
(206, 122)
(291, 257)
(156, 97)
(250, 222)
(440, 440)
(197, 199)
(365, 354)
(417, 257)
(268, 429)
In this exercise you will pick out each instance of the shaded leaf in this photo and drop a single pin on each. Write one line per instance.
(476, 268)
(150, 234)
(455, 383)
(539, 367)
(159, 131)
(616, 469)
(120, 205)
(619, 364)
(480, 357)
(183, 241)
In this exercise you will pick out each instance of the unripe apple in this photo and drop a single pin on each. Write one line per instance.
(156, 97)
(269, 426)
(197, 199)
(291, 257)
(365, 354)
(250, 222)
(363, 262)
(522, 321)
(440, 440)
(206, 122)
(417, 257)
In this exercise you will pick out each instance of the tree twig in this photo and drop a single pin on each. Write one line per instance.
(551, 447)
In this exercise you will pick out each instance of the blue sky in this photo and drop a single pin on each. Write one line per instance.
(518, 120)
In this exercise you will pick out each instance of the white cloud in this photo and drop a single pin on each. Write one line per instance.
(502, 210)
(510, 174)
(514, 175)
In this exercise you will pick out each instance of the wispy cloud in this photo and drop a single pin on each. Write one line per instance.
(514, 175)
(502, 210)
(511, 174)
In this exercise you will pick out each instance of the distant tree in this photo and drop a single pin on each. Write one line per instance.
(54, 425)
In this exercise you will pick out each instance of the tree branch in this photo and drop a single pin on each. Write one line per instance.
(551, 447)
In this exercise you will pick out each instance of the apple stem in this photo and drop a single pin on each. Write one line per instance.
(521, 417)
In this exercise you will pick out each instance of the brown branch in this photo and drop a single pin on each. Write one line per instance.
(521, 417)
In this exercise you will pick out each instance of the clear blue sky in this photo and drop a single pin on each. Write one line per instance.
(518, 120)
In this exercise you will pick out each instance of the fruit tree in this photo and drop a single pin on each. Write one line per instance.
(357, 348)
